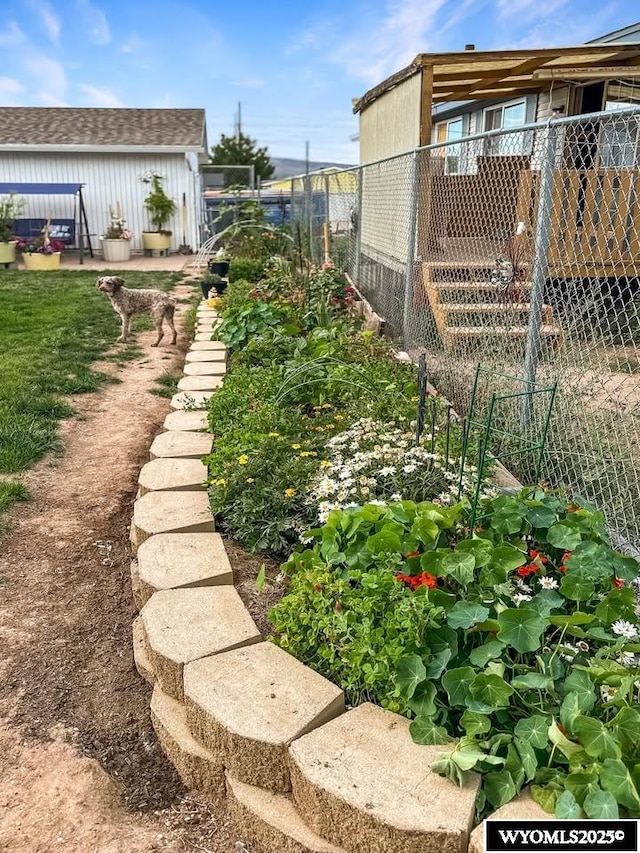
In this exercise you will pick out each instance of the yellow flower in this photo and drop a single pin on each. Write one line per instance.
(220, 482)
(325, 463)
(330, 426)
(327, 406)
(289, 492)
(250, 480)
(319, 429)
(306, 453)
(296, 446)
(415, 399)
(338, 417)
(274, 434)
(242, 460)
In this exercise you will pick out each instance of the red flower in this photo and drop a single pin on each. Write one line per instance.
(349, 290)
(618, 583)
(428, 580)
(338, 606)
(536, 555)
(317, 588)
(525, 571)
(415, 581)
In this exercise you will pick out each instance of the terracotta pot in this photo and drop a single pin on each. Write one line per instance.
(7, 253)
(116, 250)
(36, 261)
(156, 240)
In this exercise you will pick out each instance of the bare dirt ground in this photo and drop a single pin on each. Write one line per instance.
(80, 769)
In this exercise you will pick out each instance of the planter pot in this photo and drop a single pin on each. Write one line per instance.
(35, 261)
(7, 253)
(116, 250)
(156, 240)
(219, 267)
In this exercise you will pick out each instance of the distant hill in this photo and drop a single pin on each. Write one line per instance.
(287, 168)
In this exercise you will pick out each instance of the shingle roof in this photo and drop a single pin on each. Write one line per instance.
(102, 126)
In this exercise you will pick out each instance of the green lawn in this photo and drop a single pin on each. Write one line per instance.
(52, 327)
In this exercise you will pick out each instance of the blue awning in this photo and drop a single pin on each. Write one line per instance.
(40, 189)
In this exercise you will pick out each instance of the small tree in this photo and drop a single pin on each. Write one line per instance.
(240, 150)
(161, 208)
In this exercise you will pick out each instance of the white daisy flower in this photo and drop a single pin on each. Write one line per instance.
(377, 502)
(395, 497)
(519, 597)
(548, 583)
(388, 471)
(409, 469)
(626, 659)
(608, 693)
(625, 629)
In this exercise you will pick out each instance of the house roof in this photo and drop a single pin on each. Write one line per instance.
(481, 75)
(113, 128)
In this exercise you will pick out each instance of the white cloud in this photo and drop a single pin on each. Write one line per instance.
(100, 96)
(11, 34)
(95, 21)
(51, 22)
(49, 78)
(10, 90)
(529, 9)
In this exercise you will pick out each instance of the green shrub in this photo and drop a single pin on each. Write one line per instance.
(241, 323)
(249, 269)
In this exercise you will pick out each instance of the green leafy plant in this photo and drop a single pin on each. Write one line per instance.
(159, 206)
(10, 209)
(239, 324)
(247, 269)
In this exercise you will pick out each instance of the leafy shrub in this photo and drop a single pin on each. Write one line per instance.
(247, 269)
(239, 324)
(534, 665)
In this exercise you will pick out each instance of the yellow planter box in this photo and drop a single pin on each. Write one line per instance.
(36, 261)
(156, 240)
(7, 253)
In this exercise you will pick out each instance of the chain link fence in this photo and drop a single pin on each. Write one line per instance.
(518, 250)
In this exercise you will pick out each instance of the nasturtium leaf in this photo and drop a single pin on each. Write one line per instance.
(490, 650)
(384, 542)
(465, 614)
(534, 730)
(499, 788)
(424, 731)
(532, 681)
(410, 673)
(577, 587)
(627, 725)
(569, 711)
(567, 807)
(425, 530)
(567, 747)
(626, 568)
(563, 536)
(491, 689)
(546, 601)
(506, 521)
(474, 723)
(600, 805)
(466, 757)
(456, 683)
(578, 682)
(507, 558)
(545, 797)
(618, 604)
(421, 703)
(460, 566)
(438, 663)
(615, 778)
(441, 598)
(528, 758)
(513, 765)
(521, 628)
(541, 516)
(595, 739)
(581, 784)
(480, 549)
(576, 618)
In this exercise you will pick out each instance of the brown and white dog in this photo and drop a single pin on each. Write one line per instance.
(127, 302)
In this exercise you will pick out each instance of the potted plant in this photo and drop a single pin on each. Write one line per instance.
(10, 208)
(41, 253)
(219, 264)
(212, 282)
(116, 240)
(161, 208)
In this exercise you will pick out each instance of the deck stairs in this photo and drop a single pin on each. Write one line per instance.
(471, 313)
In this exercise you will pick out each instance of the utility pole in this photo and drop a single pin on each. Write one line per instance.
(306, 157)
(239, 123)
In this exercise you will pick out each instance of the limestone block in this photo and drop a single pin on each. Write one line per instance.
(171, 512)
(197, 356)
(136, 586)
(251, 703)
(140, 656)
(202, 336)
(205, 368)
(208, 346)
(362, 783)
(197, 768)
(270, 822)
(172, 475)
(199, 383)
(183, 625)
(182, 445)
(192, 400)
(186, 421)
(176, 560)
(524, 807)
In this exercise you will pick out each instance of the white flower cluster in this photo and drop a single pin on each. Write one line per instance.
(374, 463)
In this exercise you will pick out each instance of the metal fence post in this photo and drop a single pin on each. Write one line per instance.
(358, 226)
(539, 270)
(411, 251)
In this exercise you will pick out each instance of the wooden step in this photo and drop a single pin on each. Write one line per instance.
(456, 338)
(473, 292)
(509, 331)
(454, 312)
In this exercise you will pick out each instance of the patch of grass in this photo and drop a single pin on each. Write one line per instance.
(167, 384)
(54, 326)
(10, 493)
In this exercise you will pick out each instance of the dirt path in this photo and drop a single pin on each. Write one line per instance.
(80, 769)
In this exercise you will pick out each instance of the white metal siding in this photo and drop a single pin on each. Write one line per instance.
(108, 178)
(391, 124)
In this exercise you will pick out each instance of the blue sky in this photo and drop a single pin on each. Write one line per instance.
(294, 66)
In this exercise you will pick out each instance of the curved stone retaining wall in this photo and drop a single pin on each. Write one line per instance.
(244, 723)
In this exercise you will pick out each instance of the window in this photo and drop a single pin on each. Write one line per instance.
(619, 142)
(505, 117)
(450, 131)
